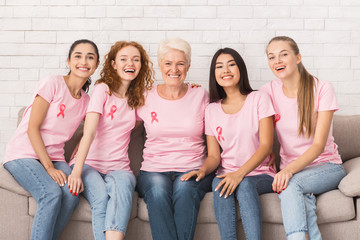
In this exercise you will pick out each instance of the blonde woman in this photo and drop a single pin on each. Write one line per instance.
(310, 163)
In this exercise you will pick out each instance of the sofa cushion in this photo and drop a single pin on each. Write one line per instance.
(350, 184)
(83, 211)
(346, 132)
(332, 206)
(328, 208)
(9, 183)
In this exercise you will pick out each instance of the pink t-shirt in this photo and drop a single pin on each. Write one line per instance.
(109, 150)
(238, 134)
(64, 115)
(174, 131)
(286, 123)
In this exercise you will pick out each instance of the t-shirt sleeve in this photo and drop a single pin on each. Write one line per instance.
(327, 98)
(207, 122)
(265, 107)
(46, 88)
(98, 98)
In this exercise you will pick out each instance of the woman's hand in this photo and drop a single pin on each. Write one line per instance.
(281, 180)
(75, 183)
(230, 182)
(57, 175)
(199, 174)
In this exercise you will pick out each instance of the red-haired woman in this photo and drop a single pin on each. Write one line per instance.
(102, 158)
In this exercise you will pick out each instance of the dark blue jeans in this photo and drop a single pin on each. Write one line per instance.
(172, 204)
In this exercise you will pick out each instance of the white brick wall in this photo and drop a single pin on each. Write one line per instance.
(35, 36)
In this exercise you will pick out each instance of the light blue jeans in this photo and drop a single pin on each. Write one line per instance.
(298, 201)
(247, 194)
(55, 204)
(172, 204)
(110, 197)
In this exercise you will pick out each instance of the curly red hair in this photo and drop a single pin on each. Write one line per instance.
(142, 82)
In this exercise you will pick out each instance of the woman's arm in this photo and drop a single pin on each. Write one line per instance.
(232, 180)
(90, 126)
(211, 162)
(323, 124)
(38, 112)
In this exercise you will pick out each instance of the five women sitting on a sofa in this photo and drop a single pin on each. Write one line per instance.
(176, 171)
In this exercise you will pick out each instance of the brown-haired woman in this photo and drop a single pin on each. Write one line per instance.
(310, 163)
(102, 158)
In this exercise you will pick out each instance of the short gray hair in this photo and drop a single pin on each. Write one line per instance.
(177, 44)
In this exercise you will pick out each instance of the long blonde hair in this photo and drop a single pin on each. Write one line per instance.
(305, 94)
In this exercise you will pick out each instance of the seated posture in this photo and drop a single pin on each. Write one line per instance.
(310, 162)
(173, 117)
(240, 121)
(35, 155)
(102, 164)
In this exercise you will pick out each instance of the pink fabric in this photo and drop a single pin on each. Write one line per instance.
(292, 145)
(174, 130)
(238, 134)
(109, 150)
(62, 119)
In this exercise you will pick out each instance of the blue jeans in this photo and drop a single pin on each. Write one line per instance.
(172, 204)
(247, 194)
(110, 197)
(298, 201)
(55, 204)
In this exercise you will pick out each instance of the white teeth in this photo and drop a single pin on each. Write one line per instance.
(280, 68)
(174, 76)
(129, 70)
(84, 69)
(227, 77)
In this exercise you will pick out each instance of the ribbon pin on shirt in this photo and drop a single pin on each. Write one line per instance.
(112, 111)
(62, 108)
(153, 117)
(219, 131)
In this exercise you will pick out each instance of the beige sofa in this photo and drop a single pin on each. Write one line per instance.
(338, 210)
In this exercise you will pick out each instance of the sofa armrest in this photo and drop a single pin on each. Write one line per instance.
(8, 182)
(349, 185)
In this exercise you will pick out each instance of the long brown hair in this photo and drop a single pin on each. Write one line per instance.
(142, 82)
(305, 94)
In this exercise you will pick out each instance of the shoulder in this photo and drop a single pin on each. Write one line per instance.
(213, 106)
(259, 95)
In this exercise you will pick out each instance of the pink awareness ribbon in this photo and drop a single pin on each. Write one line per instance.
(153, 117)
(62, 108)
(277, 118)
(219, 131)
(112, 111)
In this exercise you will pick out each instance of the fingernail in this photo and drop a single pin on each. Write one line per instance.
(226, 196)
(76, 194)
(73, 193)
(70, 190)
(283, 189)
(69, 186)
(220, 195)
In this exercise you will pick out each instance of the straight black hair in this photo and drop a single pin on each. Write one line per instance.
(217, 92)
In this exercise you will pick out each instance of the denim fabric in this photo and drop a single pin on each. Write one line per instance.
(298, 202)
(110, 197)
(247, 194)
(172, 204)
(55, 204)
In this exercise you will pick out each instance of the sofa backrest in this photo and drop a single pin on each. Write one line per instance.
(346, 131)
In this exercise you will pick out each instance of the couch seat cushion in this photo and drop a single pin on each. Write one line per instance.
(83, 211)
(349, 185)
(332, 206)
(9, 183)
